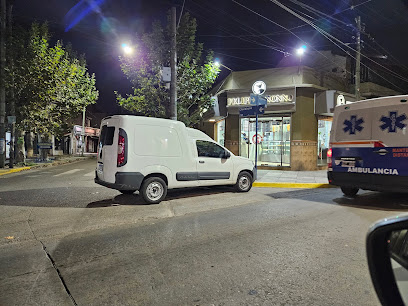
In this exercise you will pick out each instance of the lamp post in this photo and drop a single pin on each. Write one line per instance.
(83, 131)
(300, 52)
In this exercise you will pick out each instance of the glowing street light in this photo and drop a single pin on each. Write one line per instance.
(218, 64)
(127, 49)
(300, 51)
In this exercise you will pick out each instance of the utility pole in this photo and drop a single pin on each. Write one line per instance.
(12, 101)
(2, 83)
(358, 59)
(83, 132)
(173, 64)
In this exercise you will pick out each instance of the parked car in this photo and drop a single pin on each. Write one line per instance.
(152, 155)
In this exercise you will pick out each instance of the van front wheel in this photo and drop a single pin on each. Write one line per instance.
(349, 191)
(244, 182)
(153, 190)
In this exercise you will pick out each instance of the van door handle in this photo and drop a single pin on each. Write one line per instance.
(201, 162)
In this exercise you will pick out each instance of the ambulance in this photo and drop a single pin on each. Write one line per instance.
(369, 146)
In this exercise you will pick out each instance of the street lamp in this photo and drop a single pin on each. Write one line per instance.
(300, 51)
(218, 64)
(127, 49)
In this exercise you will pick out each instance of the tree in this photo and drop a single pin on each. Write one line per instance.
(196, 73)
(51, 85)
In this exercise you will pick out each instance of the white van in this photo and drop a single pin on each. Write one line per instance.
(369, 145)
(152, 155)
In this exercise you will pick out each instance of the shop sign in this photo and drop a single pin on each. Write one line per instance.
(282, 98)
(88, 131)
(259, 87)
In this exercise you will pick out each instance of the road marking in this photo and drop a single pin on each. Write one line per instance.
(45, 172)
(292, 185)
(33, 175)
(90, 174)
(68, 172)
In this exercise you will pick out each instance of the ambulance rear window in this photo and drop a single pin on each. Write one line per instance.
(106, 137)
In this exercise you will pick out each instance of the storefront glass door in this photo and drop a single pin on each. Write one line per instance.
(324, 128)
(273, 140)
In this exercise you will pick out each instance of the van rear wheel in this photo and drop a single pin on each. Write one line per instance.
(153, 190)
(349, 191)
(244, 182)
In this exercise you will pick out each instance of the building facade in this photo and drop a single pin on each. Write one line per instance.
(294, 131)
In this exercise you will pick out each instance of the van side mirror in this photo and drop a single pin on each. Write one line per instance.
(387, 255)
(226, 154)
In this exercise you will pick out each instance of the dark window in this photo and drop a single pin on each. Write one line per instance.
(106, 137)
(209, 149)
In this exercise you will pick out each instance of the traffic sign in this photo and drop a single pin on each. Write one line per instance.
(257, 138)
(11, 119)
(257, 100)
(252, 110)
(44, 145)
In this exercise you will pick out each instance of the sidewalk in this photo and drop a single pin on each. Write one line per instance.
(33, 163)
(292, 179)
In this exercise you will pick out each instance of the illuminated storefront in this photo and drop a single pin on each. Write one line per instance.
(294, 131)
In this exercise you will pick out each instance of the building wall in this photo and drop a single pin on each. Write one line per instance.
(304, 133)
(232, 135)
(208, 128)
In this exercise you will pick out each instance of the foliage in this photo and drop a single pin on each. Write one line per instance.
(51, 85)
(196, 74)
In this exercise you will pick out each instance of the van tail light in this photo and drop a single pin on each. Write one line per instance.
(122, 148)
(329, 157)
(121, 151)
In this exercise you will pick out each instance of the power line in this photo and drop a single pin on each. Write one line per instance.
(245, 59)
(244, 27)
(223, 29)
(327, 35)
(281, 26)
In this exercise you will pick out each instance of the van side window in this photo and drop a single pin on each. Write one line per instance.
(106, 137)
(209, 149)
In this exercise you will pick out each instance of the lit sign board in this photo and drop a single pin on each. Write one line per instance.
(283, 98)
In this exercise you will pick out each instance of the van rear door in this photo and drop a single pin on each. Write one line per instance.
(107, 150)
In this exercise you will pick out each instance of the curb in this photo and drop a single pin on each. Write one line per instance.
(55, 163)
(293, 185)
(15, 170)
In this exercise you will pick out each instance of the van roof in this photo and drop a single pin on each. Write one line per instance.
(197, 134)
(146, 120)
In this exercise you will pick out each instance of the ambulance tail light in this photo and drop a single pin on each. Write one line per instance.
(329, 157)
(378, 144)
(122, 148)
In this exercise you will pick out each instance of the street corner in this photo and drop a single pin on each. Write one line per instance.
(13, 170)
(291, 185)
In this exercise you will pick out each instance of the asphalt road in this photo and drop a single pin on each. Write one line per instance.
(67, 241)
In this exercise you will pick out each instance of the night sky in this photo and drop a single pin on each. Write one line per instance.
(250, 37)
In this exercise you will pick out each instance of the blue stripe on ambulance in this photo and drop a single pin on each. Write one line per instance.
(371, 160)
